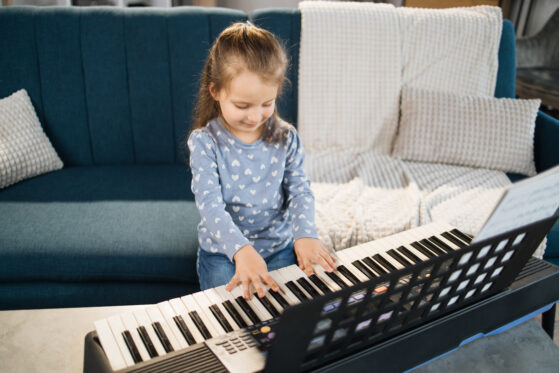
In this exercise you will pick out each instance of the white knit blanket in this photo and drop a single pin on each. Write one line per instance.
(354, 58)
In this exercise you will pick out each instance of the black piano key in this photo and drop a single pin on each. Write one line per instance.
(385, 263)
(131, 346)
(434, 248)
(308, 287)
(220, 317)
(295, 290)
(341, 283)
(374, 266)
(408, 254)
(463, 236)
(279, 298)
(399, 258)
(458, 242)
(147, 341)
(234, 314)
(423, 250)
(436, 240)
(268, 305)
(364, 269)
(347, 273)
(184, 330)
(246, 309)
(200, 324)
(162, 337)
(320, 284)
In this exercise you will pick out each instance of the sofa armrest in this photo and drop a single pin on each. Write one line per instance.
(546, 142)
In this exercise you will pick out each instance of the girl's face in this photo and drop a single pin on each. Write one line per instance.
(246, 105)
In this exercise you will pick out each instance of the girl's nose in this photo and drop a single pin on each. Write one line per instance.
(254, 115)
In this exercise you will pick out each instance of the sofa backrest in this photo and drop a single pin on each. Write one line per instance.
(118, 86)
(110, 85)
(286, 24)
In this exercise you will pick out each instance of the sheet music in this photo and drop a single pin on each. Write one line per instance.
(522, 203)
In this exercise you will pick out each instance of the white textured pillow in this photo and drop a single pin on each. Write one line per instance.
(485, 132)
(25, 150)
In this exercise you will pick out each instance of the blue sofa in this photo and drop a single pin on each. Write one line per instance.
(114, 90)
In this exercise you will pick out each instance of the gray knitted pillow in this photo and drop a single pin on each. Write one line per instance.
(486, 132)
(25, 150)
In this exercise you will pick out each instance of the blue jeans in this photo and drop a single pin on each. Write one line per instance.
(216, 269)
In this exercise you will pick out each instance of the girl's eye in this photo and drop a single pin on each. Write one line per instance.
(268, 105)
(241, 107)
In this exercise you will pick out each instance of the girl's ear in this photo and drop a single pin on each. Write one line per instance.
(213, 91)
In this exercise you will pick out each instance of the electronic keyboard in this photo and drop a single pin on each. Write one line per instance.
(215, 330)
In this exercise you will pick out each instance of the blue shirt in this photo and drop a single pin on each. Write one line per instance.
(253, 193)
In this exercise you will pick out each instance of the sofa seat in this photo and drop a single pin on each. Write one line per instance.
(104, 223)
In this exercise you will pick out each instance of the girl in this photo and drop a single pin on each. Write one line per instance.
(254, 199)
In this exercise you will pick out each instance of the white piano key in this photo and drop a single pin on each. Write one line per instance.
(297, 273)
(254, 304)
(321, 274)
(291, 274)
(204, 305)
(214, 299)
(351, 256)
(226, 295)
(117, 328)
(131, 325)
(191, 306)
(439, 235)
(181, 310)
(284, 291)
(273, 300)
(155, 315)
(110, 345)
(143, 320)
(168, 313)
(346, 260)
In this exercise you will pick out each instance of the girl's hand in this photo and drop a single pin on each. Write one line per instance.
(250, 268)
(311, 251)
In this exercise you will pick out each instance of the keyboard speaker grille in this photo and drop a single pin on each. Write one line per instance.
(195, 359)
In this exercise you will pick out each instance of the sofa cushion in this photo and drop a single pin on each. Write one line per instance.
(25, 150)
(100, 223)
(473, 131)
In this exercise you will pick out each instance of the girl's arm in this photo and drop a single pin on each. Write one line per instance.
(300, 203)
(222, 235)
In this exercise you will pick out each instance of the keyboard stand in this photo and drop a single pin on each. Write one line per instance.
(396, 321)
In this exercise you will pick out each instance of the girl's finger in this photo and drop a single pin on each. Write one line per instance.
(329, 259)
(308, 268)
(268, 280)
(246, 288)
(324, 264)
(233, 283)
(258, 286)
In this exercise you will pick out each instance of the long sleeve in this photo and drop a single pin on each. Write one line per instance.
(218, 233)
(300, 200)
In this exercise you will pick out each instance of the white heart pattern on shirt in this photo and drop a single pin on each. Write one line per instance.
(236, 208)
(235, 163)
(248, 171)
(236, 199)
(235, 177)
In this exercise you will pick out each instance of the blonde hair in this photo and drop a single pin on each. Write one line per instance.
(241, 46)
